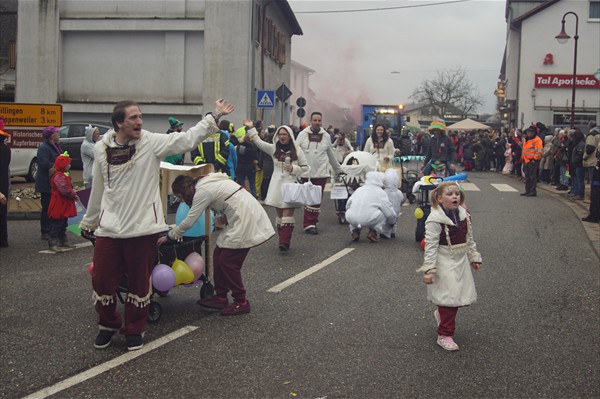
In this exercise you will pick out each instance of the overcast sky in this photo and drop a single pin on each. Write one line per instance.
(354, 53)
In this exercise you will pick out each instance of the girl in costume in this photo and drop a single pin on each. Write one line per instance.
(289, 163)
(62, 204)
(450, 253)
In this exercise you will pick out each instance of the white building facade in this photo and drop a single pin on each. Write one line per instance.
(174, 57)
(535, 80)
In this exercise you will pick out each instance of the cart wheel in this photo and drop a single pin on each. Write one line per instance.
(420, 230)
(342, 218)
(162, 294)
(155, 312)
(207, 290)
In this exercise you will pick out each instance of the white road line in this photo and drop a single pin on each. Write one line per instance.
(111, 364)
(469, 187)
(281, 286)
(504, 187)
(77, 246)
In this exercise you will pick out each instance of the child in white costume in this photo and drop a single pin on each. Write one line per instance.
(395, 196)
(370, 207)
(450, 253)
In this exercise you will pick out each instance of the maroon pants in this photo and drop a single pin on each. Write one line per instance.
(311, 213)
(447, 320)
(228, 264)
(113, 258)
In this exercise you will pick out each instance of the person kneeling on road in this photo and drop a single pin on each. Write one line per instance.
(244, 223)
(370, 207)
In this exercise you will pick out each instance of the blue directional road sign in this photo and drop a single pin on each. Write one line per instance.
(265, 99)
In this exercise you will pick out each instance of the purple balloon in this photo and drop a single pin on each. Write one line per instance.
(163, 277)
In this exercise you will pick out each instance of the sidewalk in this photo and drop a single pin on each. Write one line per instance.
(26, 209)
(30, 208)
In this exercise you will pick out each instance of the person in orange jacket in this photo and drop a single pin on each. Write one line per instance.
(531, 155)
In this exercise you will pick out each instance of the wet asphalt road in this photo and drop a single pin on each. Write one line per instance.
(361, 327)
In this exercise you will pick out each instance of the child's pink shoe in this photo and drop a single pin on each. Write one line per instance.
(447, 343)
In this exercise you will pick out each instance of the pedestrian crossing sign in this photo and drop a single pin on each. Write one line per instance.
(265, 99)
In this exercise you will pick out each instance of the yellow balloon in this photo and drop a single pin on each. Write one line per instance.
(419, 213)
(183, 273)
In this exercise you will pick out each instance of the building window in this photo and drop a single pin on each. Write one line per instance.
(281, 53)
(257, 31)
(594, 9)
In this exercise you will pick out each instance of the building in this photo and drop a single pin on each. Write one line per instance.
(174, 57)
(537, 71)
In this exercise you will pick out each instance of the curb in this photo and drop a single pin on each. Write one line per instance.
(33, 215)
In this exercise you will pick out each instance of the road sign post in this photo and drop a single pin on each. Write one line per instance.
(301, 103)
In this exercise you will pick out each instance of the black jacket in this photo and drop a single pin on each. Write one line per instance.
(441, 149)
(247, 154)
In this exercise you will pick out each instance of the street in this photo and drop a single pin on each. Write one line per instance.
(359, 326)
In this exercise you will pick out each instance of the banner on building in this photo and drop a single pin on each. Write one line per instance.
(566, 81)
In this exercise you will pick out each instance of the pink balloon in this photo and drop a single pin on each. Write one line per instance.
(196, 263)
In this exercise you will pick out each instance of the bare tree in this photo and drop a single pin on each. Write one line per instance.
(450, 92)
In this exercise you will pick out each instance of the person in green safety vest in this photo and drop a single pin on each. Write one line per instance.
(215, 150)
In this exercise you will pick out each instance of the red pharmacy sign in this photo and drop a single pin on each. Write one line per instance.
(566, 81)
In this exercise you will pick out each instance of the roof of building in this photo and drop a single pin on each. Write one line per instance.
(303, 67)
(533, 11)
(288, 13)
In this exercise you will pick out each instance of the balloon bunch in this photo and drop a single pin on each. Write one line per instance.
(181, 272)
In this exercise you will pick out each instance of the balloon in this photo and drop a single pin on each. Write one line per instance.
(196, 263)
(197, 229)
(419, 213)
(183, 273)
(461, 176)
(91, 269)
(163, 277)
(423, 244)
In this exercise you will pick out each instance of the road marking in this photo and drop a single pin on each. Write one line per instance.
(77, 246)
(281, 286)
(469, 187)
(504, 187)
(111, 364)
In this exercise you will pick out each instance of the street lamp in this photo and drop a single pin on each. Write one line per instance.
(562, 38)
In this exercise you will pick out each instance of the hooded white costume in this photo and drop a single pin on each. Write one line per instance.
(395, 196)
(369, 206)
(87, 155)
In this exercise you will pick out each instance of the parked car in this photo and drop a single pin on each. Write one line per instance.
(23, 163)
(72, 135)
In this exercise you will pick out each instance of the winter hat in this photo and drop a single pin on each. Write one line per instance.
(437, 124)
(49, 131)
(174, 122)
(533, 128)
(62, 161)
